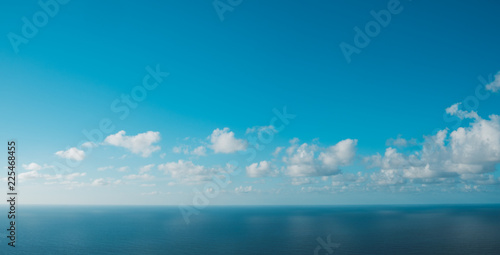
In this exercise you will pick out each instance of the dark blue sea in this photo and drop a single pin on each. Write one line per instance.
(255, 230)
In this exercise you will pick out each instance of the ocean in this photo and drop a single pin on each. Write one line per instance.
(467, 229)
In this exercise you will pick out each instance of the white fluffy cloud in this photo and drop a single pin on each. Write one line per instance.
(340, 154)
(140, 144)
(300, 160)
(187, 171)
(32, 173)
(495, 84)
(313, 160)
(391, 159)
(32, 166)
(261, 169)
(477, 144)
(468, 150)
(223, 141)
(72, 153)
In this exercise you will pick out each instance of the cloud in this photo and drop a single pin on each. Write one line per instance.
(33, 171)
(468, 150)
(304, 180)
(277, 151)
(89, 145)
(480, 179)
(181, 149)
(315, 189)
(187, 171)
(313, 160)
(347, 179)
(33, 166)
(184, 149)
(294, 140)
(300, 160)
(477, 144)
(30, 175)
(123, 169)
(261, 169)
(387, 177)
(223, 141)
(395, 167)
(72, 153)
(35, 174)
(146, 168)
(340, 154)
(100, 182)
(69, 177)
(199, 151)
(400, 142)
(391, 159)
(454, 110)
(139, 177)
(261, 129)
(140, 144)
(242, 189)
(494, 86)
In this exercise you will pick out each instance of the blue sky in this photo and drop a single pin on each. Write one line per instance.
(409, 118)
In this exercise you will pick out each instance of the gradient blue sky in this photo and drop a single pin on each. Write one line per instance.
(232, 73)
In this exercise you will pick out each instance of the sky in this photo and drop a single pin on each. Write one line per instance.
(252, 102)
